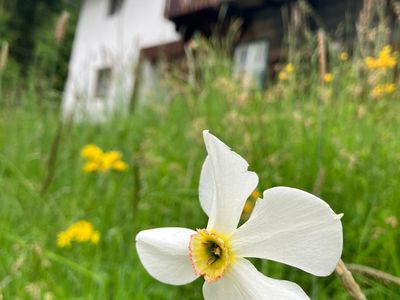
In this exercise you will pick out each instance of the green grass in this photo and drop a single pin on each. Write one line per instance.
(287, 134)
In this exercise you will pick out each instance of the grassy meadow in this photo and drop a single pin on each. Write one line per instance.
(337, 138)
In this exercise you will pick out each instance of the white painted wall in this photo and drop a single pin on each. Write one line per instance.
(102, 40)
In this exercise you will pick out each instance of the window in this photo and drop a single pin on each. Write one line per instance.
(103, 83)
(251, 61)
(114, 6)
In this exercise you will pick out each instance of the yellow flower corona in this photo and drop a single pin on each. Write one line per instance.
(81, 231)
(210, 254)
(99, 161)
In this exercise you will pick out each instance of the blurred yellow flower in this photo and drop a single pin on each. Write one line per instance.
(377, 91)
(90, 166)
(108, 159)
(383, 89)
(91, 151)
(289, 68)
(343, 56)
(282, 75)
(328, 77)
(390, 88)
(81, 231)
(63, 239)
(119, 166)
(386, 59)
(99, 161)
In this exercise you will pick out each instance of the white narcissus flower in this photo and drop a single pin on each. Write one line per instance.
(288, 226)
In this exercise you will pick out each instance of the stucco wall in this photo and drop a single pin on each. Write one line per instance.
(102, 40)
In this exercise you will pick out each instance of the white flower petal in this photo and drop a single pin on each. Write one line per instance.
(244, 282)
(164, 252)
(206, 186)
(292, 227)
(232, 184)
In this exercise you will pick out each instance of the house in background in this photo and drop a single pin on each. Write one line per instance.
(109, 36)
(265, 24)
(261, 41)
(114, 37)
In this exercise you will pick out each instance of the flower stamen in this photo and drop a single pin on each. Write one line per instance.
(210, 254)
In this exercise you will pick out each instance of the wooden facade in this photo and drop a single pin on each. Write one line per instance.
(262, 19)
(177, 8)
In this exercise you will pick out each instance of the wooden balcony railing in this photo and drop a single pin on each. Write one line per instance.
(176, 8)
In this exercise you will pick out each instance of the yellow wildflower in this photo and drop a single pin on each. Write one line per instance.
(289, 68)
(91, 151)
(385, 60)
(91, 166)
(383, 89)
(377, 91)
(282, 75)
(99, 161)
(63, 239)
(120, 166)
(390, 88)
(81, 231)
(328, 77)
(109, 158)
(343, 56)
(371, 62)
(112, 160)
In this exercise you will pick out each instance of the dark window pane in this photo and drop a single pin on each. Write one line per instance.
(114, 6)
(103, 83)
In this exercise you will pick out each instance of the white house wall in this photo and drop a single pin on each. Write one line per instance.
(101, 41)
